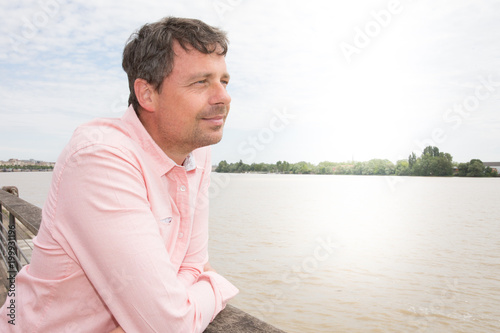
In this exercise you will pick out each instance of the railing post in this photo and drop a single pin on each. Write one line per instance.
(12, 190)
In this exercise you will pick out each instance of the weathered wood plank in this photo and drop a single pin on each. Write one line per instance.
(28, 214)
(233, 320)
(3, 282)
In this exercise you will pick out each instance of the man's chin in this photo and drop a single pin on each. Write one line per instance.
(217, 138)
(211, 139)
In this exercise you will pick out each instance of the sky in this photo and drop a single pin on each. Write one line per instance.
(311, 80)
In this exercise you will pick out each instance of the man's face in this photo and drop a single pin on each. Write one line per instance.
(193, 103)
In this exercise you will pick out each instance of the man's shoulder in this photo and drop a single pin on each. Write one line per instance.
(105, 131)
(99, 134)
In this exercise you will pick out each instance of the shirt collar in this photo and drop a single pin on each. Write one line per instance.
(189, 163)
(163, 164)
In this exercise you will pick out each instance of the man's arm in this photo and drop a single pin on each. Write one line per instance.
(106, 223)
(206, 268)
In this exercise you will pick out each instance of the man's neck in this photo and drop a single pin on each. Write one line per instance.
(177, 158)
(174, 153)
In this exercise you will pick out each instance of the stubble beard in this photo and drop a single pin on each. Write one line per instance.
(200, 136)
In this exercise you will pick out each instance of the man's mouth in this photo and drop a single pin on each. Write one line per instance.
(217, 120)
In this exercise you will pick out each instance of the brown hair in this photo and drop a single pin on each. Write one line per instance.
(149, 54)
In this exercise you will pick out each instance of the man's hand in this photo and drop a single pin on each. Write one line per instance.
(117, 330)
(208, 268)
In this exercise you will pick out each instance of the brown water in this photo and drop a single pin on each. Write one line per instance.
(33, 186)
(352, 253)
(361, 253)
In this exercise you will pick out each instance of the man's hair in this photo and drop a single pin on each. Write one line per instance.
(149, 53)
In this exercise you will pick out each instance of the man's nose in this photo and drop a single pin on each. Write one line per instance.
(220, 95)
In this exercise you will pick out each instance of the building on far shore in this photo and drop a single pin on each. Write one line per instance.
(493, 165)
(15, 165)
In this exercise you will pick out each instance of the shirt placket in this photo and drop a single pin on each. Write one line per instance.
(182, 200)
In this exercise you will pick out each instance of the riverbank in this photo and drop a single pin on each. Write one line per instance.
(16, 165)
(26, 170)
(431, 162)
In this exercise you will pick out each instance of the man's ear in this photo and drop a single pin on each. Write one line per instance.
(144, 93)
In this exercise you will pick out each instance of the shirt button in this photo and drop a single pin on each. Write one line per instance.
(181, 234)
(182, 188)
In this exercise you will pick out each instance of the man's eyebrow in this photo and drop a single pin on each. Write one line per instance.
(207, 76)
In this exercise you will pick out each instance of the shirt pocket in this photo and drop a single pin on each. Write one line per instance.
(168, 220)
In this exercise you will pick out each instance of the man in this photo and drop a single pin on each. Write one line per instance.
(124, 233)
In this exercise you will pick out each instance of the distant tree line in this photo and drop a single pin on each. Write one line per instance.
(26, 167)
(431, 162)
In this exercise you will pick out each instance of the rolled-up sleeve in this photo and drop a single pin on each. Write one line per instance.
(105, 223)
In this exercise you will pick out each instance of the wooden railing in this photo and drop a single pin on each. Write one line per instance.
(20, 222)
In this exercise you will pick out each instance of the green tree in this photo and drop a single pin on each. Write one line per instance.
(222, 167)
(326, 168)
(476, 168)
(302, 168)
(431, 163)
(239, 167)
(357, 169)
(412, 161)
(379, 167)
(402, 168)
(279, 166)
(286, 167)
(463, 169)
(443, 165)
(489, 172)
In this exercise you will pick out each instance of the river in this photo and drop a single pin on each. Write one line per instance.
(314, 253)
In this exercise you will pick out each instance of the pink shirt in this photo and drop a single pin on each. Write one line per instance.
(123, 240)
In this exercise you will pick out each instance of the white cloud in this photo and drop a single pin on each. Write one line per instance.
(283, 54)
